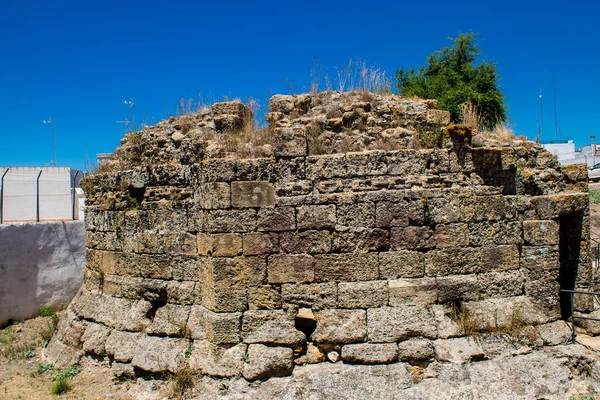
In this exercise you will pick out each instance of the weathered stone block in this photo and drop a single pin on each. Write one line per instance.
(219, 245)
(458, 350)
(495, 233)
(266, 362)
(169, 320)
(326, 166)
(452, 235)
(252, 194)
(264, 297)
(362, 294)
(183, 292)
(457, 288)
(412, 291)
(316, 216)
(366, 164)
(159, 354)
(394, 324)
(291, 268)
(401, 264)
(317, 296)
(122, 345)
(259, 243)
(276, 219)
(213, 195)
(273, 327)
(363, 240)
(388, 214)
(310, 242)
(290, 141)
(370, 353)
(340, 326)
(415, 349)
(358, 215)
(540, 257)
(217, 221)
(346, 267)
(217, 361)
(116, 313)
(94, 338)
(452, 261)
(412, 238)
(221, 328)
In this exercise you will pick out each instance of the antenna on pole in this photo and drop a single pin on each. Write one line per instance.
(51, 123)
(541, 115)
(555, 115)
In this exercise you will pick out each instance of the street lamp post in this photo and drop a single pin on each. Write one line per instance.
(593, 137)
(51, 123)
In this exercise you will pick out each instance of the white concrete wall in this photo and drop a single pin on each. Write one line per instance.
(40, 264)
(20, 188)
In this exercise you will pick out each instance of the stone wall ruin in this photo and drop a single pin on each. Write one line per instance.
(251, 266)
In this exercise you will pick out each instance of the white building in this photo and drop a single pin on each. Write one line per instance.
(39, 194)
(567, 154)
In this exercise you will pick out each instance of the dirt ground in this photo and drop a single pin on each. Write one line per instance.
(22, 374)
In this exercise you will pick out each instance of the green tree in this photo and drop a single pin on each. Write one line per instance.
(452, 78)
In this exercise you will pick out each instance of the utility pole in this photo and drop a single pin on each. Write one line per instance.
(593, 137)
(51, 123)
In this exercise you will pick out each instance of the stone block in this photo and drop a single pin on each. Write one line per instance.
(366, 164)
(213, 195)
(394, 324)
(363, 240)
(116, 313)
(123, 370)
(272, 327)
(415, 349)
(317, 296)
(217, 361)
(540, 258)
(452, 235)
(259, 243)
(457, 288)
(346, 267)
(316, 216)
(554, 333)
(311, 242)
(469, 260)
(340, 326)
(290, 141)
(218, 221)
(169, 320)
(159, 354)
(291, 268)
(122, 345)
(458, 350)
(264, 297)
(362, 294)
(94, 338)
(267, 362)
(312, 355)
(252, 194)
(412, 291)
(388, 214)
(326, 167)
(412, 238)
(358, 215)
(501, 284)
(401, 264)
(276, 219)
(222, 328)
(370, 353)
(196, 322)
(219, 245)
(183, 292)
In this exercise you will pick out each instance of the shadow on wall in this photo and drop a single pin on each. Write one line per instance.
(40, 265)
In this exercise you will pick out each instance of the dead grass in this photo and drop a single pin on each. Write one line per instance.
(180, 383)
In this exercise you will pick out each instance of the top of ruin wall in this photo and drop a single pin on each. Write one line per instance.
(300, 125)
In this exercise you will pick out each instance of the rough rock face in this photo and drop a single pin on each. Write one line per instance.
(247, 267)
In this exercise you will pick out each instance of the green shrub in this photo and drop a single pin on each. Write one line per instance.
(60, 386)
(594, 196)
(47, 311)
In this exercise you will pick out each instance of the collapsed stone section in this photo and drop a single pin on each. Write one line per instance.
(249, 267)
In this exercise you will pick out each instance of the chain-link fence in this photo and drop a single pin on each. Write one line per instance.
(39, 194)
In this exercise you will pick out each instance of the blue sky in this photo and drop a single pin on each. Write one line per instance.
(76, 61)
